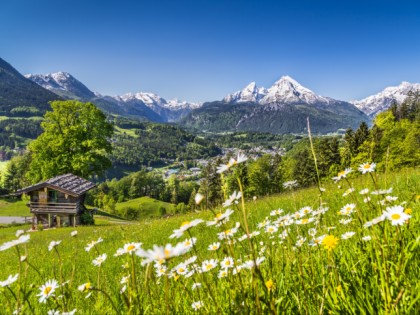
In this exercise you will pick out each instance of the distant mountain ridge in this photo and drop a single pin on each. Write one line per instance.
(285, 99)
(374, 104)
(144, 105)
(19, 95)
(284, 91)
(282, 108)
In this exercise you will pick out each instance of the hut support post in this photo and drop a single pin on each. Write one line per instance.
(49, 220)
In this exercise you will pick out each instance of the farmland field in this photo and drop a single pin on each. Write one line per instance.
(307, 253)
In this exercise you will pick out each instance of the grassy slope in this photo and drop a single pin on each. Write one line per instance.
(406, 185)
(148, 207)
(14, 208)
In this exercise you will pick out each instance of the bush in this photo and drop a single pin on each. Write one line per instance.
(87, 219)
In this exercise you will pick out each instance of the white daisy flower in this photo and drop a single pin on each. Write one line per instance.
(208, 265)
(227, 262)
(312, 232)
(366, 238)
(347, 209)
(198, 198)
(347, 235)
(223, 273)
(364, 191)
(184, 227)
(99, 260)
(196, 285)
(197, 305)
(92, 244)
(367, 168)
(160, 253)
(53, 244)
(396, 215)
(74, 233)
(348, 192)
(214, 246)
(220, 218)
(9, 280)
(300, 241)
(19, 233)
(276, 212)
(47, 290)
(131, 247)
(232, 199)
(342, 174)
(290, 184)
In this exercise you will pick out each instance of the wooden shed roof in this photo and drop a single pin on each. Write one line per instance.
(67, 183)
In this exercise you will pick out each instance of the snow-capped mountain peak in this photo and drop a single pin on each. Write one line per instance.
(284, 91)
(251, 93)
(289, 91)
(374, 104)
(62, 83)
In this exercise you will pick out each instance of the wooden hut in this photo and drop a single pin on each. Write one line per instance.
(57, 201)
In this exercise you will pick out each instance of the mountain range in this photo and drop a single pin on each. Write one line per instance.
(281, 108)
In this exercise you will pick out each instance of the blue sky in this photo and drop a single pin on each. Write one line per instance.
(201, 50)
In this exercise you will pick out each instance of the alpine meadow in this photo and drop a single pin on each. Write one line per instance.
(209, 157)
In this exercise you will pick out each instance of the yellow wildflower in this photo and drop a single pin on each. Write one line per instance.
(330, 242)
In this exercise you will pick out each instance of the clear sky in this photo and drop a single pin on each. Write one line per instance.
(201, 50)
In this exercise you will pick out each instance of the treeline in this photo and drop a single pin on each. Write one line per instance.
(248, 139)
(155, 144)
(143, 183)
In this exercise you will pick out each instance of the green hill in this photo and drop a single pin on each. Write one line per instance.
(144, 207)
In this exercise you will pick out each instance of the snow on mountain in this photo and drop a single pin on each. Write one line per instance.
(65, 85)
(284, 91)
(154, 101)
(251, 93)
(288, 91)
(374, 104)
(62, 83)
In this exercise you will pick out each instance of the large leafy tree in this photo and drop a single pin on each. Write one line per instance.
(76, 139)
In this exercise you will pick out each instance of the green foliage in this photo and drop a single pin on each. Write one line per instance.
(279, 119)
(157, 144)
(394, 140)
(86, 218)
(75, 140)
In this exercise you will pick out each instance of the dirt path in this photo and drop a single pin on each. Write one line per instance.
(8, 220)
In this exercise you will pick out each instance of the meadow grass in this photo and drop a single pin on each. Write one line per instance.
(297, 258)
(146, 206)
(14, 208)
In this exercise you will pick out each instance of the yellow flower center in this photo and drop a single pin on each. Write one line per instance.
(47, 290)
(341, 173)
(130, 247)
(408, 211)
(209, 266)
(185, 223)
(366, 166)
(304, 221)
(227, 263)
(269, 284)
(227, 231)
(181, 270)
(218, 215)
(88, 286)
(395, 216)
(166, 253)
